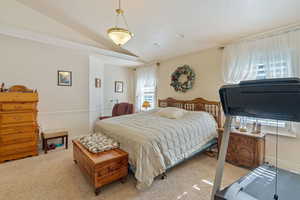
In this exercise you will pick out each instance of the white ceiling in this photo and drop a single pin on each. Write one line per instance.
(204, 23)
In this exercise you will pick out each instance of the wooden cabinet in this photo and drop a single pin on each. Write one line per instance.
(101, 168)
(18, 125)
(244, 149)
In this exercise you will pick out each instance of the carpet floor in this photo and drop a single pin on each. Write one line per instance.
(55, 176)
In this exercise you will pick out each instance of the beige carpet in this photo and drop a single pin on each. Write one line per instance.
(55, 176)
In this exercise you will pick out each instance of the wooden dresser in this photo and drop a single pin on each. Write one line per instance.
(244, 149)
(18, 125)
(101, 168)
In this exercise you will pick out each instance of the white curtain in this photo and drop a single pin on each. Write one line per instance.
(272, 57)
(145, 77)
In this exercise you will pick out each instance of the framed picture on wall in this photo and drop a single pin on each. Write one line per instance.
(64, 78)
(97, 83)
(118, 86)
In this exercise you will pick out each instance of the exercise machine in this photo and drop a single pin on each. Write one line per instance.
(277, 99)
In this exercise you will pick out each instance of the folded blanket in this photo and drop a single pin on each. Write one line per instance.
(98, 142)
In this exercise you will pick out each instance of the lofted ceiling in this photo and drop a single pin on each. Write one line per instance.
(168, 28)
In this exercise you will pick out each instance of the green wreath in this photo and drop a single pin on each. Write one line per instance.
(188, 84)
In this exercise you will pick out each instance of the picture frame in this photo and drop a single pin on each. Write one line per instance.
(97, 83)
(119, 86)
(64, 78)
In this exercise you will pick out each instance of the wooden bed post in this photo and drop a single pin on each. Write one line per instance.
(219, 116)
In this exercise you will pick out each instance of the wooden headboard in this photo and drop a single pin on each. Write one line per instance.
(198, 104)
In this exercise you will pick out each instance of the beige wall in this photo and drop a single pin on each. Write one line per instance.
(207, 66)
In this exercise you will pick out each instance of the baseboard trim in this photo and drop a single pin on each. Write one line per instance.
(285, 164)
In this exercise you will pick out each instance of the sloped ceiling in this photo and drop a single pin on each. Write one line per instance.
(168, 28)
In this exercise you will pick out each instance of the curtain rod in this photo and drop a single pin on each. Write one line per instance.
(268, 33)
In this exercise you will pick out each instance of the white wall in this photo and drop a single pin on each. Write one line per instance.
(35, 65)
(96, 95)
(15, 14)
(207, 66)
(76, 108)
(114, 73)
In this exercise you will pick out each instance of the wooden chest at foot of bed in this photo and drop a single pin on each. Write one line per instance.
(101, 168)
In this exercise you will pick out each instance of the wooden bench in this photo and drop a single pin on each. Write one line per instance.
(54, 134)
(101, 168)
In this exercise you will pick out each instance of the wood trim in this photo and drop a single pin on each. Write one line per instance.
(198, 104)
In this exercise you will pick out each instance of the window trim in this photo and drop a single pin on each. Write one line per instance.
(271, 130)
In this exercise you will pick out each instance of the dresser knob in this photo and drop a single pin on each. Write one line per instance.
(17, 118)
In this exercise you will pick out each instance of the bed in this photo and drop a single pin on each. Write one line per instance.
(156, 144)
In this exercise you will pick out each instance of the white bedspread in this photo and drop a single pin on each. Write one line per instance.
(155, 143)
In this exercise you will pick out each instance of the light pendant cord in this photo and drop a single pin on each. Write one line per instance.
(120, 13)
(276, 163)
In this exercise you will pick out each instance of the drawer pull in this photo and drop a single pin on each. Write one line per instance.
(17, 118)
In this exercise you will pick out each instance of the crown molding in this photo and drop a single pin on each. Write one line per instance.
(52, 40)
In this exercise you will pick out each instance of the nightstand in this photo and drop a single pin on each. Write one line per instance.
(244, 149)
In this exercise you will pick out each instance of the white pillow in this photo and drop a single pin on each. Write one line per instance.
(171, 112)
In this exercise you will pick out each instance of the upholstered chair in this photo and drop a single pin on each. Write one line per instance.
(120, 109)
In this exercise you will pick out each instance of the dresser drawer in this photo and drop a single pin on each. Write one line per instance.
(14, 118)
(17, 130)
(17, 106)
(18, 97)
(17, 138)
(17, 148)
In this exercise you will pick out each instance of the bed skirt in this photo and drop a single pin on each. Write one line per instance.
(208, 145)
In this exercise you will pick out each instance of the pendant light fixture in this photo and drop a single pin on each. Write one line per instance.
(117, 34)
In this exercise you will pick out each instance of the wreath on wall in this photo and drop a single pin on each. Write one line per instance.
(182, 85)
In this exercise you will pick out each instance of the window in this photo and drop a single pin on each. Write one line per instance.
(275, 70)
(148, 95)
(145, 87)
(265, 122)
(278, 69)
